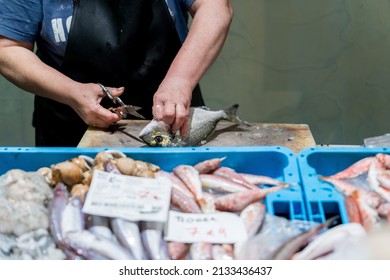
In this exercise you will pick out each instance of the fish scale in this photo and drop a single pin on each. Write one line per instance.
(206, 120)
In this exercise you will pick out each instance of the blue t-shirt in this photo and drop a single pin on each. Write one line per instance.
(50, 20)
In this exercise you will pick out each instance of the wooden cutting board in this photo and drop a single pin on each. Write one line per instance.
(125, 134)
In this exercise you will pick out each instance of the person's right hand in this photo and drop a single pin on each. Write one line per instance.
(86, 103)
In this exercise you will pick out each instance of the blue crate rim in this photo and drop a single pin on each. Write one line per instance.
(281, 149)
(307, 151)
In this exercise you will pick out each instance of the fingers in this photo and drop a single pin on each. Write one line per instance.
(103, 118)
(169, 113)
(115, 92)
(176, 115)
(158, 111)
(112, 91)
(96, 115)
(165, 112)
(184, 128)
(180, 119)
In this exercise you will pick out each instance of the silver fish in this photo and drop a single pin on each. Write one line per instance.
(60, 241)
(153, 241)
(90, 245)
(202, 122)
(72, 217)
(129, 236)
(100, 226)
(56, 208)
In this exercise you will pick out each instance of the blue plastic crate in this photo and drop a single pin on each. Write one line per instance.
(277, 162)
(322, 199)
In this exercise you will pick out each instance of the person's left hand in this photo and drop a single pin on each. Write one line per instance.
(171, 104)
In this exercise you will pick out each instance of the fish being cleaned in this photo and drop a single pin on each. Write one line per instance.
(202, 123)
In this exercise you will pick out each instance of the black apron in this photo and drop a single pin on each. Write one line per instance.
(117, 43)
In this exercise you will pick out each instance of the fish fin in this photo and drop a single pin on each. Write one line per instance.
(231, 113)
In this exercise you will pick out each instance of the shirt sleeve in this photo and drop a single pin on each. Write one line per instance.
(20, 19)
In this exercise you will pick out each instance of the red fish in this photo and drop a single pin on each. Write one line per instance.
(236, 202)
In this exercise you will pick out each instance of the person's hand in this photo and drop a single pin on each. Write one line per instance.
(86, 103)
(171, 104)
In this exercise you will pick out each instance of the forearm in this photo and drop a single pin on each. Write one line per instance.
(23, 68)
(204, 42)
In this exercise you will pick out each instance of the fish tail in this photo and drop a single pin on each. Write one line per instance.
(232, 116)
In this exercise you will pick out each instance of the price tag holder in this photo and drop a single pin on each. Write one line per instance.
(219, 228)
(128, 197)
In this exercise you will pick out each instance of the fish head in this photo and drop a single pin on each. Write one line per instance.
(157, 134)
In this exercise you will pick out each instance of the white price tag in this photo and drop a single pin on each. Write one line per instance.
(219, 228)
(128, 197)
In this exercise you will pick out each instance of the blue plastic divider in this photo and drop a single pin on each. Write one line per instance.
(277, 162)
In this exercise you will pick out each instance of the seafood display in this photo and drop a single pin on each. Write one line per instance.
(62, 189)
(43, 213)
(366, 187)
(202, 122)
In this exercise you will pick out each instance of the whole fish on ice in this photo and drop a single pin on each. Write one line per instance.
(202, 122)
